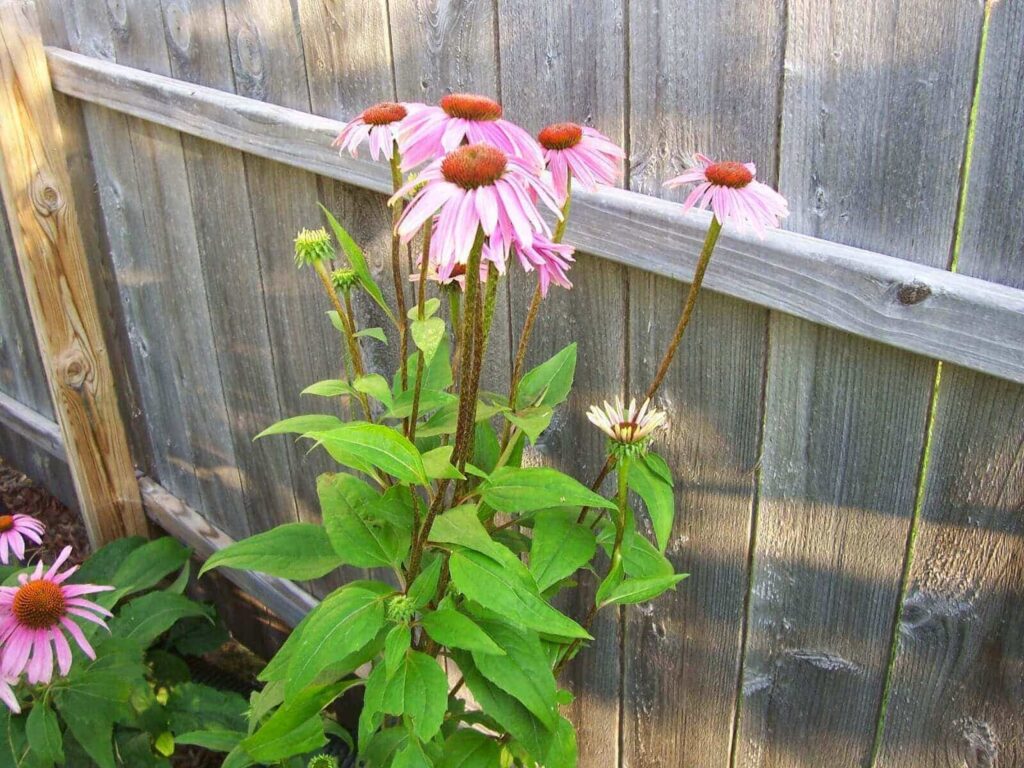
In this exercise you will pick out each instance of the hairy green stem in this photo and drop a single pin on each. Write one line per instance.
(421, 301)
(350, 338)
(396, 271)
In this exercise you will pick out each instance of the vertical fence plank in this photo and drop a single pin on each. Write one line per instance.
(957, 681)
(44, 227)
(845, 418)
(149, 222)
(566, 61)
(703, 77)
(267, 59)
(197, 51)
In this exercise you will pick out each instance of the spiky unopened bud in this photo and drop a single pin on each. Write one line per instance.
(400, 608)
(323, 761)
(344, 280)
(313, 246)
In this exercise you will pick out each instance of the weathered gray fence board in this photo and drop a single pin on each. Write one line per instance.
(957, 681)
(170, 271)
(268, 65)
(197, 51)
(698, 87)
(573, 57)
(845, 419)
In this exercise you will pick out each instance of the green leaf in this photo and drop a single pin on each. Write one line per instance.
(640, 558)
(461, 526)
(357, 261)
(343, 623)
(144, 568)
(437, 374)
(424, 587)
(397, 643)
(103, 563)
(214, 740)
(531, 421)
(489, 583)
(430, 400)
(427, 335)
(437, 463)
(296, 727)
(486, 449)
(418, 690)
(641, 590)
(609, 583)
(359, 535)
(515, 489)
(430, 307)
(327, 388)
(467, 748)
(373, 333)
(562, 751)
(412, 756)
(549, 383)
(145, 618)
(560, 546)
(164, 744)
(456, 630)
(191, 706)
(376, 386)
(291, 551)
(650, 485)
(523, 671)
(506, 710)
(43, 733)
(300, 425)
(377, 445)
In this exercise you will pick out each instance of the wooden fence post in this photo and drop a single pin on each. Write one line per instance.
(44, 225)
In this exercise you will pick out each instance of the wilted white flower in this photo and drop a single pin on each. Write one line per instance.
(629, 429)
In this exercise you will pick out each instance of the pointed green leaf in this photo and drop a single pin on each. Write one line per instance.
(328, 388)
(43, 733)
(437, 463)
(376, 445)
(396, 645)
(430, 307)
(549, 383)
(215, 740)
(357, 261)
(300, 425)
(560, 546)
(418, 690)
(641, 590)
(373, 333)
(291, 551)
(489, 583)
(145, 618)
(376, 386)
(523, 671)
(427, 335)
(456, 630)
(531, 421)
(424, 587)
(657, 494)
(467, 748)
(515, 489)
(359, 531)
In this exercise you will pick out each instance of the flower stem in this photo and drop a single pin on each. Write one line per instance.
(350, 338)
(691, 300)
(396, 271)
(421, 301)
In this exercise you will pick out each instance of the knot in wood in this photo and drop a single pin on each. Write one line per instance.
(46, 196)
(73, 369)
(179, 26)
(913, 293)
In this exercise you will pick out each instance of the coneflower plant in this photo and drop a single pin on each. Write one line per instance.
(454, 639)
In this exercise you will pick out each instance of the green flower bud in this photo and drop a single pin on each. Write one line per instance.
(322, 761)
(400, 609)
(344, 280)
(313, 246)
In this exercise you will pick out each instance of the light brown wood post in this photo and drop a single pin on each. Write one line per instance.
(44, 226)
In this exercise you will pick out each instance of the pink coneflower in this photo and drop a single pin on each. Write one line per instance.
(732, 193)
(34, 615)
(464, 118)
(378, 125)
(7, 693)
(551, 260)
(476, 187)
(582, 153)
(14, 529)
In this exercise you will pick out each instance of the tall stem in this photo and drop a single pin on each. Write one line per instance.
(428, 230)
(691, 300)
(350, 338)
(396, 270)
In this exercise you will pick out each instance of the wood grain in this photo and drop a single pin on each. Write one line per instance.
(697, 85)
(573, 57)
(44, 230)
(908, 305)
(845, 419)
(957, 679)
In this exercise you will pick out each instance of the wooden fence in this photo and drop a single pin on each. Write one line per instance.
(850, 507)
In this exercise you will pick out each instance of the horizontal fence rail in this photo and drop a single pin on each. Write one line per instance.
(951, 317)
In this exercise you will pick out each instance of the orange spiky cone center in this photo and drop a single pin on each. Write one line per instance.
(470, 106)
(560, 136)
(729, 174)
(39, 604)
(473, 166)
(6, 523)
(385, 113)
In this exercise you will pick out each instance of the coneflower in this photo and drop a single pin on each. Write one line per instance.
(378, 126)
(629, 429)
(577, 152)
(14, 529)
